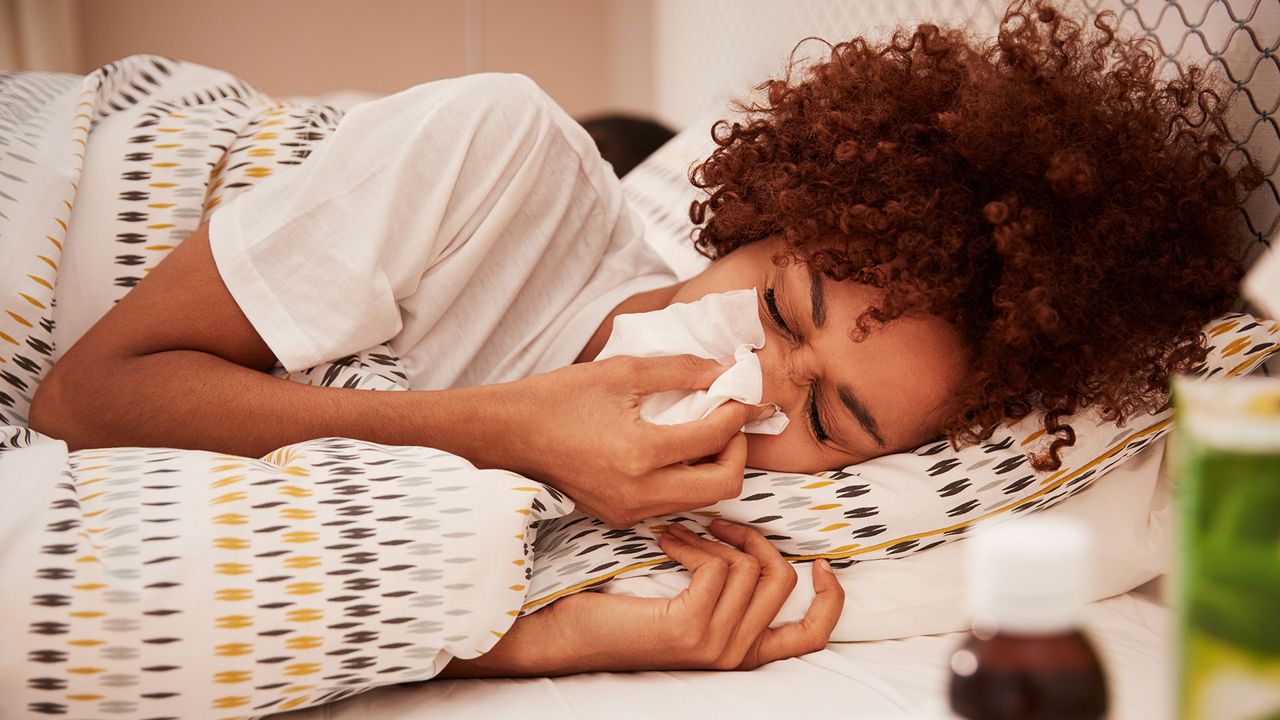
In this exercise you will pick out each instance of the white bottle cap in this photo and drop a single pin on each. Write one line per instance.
(1029, 575)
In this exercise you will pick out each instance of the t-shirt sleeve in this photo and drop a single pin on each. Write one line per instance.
(319, 256)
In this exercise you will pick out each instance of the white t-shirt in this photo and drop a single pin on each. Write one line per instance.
(470, 223)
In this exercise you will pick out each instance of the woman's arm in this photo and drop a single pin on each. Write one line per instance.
(721, 622)
(177, 364)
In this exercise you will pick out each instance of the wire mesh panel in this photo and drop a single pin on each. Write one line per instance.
(710, 50)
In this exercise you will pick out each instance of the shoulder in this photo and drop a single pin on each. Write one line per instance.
(505, 94)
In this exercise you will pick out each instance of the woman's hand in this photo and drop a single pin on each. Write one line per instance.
(720, 622)
(579, 429)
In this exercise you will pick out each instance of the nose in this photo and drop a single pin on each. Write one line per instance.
(782, 382)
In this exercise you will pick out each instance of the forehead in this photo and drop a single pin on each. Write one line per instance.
(904, 371)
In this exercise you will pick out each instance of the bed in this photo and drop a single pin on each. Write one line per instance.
(903, 613)
(884, 679)
(904, 677)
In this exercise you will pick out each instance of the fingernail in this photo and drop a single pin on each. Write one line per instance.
(826, 566)
(677, 528)
(718, 523)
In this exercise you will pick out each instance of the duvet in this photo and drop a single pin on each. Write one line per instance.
(158, 583)
(149, 583)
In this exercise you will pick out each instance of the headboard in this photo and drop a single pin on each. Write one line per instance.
(707, 51)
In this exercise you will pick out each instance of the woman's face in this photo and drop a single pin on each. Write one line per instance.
(847, 401)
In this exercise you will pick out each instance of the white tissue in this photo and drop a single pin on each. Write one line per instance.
(722, 326)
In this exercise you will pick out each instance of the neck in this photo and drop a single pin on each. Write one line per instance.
(639, 303)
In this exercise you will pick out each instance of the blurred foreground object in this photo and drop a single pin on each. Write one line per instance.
(1029, 581)
(1228, 474)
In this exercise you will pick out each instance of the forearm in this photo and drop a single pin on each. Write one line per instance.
(189, 399)
(531, 647)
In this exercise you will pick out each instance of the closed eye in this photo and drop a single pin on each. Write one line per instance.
(815, 418)
(812, 410)
(771, 304)
(814, 415)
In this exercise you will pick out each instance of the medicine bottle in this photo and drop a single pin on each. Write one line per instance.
(1027, 658)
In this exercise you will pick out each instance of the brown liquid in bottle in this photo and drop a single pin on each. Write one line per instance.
(1028, 677)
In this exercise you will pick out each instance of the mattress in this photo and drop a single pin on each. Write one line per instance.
(883, 679)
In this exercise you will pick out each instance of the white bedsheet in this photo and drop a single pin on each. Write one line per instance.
(884, 679)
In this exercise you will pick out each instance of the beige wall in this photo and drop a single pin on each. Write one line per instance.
(287, 47)
(40, 35)
(591, 55)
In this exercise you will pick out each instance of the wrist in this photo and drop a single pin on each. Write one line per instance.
(479, 423)
(532, 647)
(515, 440)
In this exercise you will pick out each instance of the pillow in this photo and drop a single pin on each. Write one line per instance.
(892, 506)
(1130, 518)
(660, 192)
(896, 505)
(889, 507)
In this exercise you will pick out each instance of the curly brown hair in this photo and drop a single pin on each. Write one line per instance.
(1045, 192)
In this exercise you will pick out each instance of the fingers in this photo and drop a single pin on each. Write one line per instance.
(776, 581)
(677, 488)
(734, 595)
(676, 372)
(813, 631)
(708, 580)
(707, 436)
(739, 586)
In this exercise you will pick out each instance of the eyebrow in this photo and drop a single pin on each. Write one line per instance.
(817, 298)
(860, 413)
(851, 401)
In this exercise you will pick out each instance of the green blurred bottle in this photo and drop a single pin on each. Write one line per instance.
(1228, 474)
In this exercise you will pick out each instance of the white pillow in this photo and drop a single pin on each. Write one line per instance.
(1130, 515)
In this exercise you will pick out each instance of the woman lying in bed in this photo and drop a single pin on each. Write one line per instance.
(942, 235)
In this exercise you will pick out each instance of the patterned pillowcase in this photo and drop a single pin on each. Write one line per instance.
(892, 506)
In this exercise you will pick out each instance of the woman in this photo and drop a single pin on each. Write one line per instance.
(943, 236)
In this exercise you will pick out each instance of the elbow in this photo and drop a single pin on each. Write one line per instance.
(51, 411)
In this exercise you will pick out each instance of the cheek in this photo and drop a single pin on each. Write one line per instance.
(735, 272)
(787, 452)
(702, 285)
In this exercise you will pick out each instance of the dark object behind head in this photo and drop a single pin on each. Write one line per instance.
(626, 140)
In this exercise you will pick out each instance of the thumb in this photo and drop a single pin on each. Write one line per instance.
(745, 414)
(762, 412)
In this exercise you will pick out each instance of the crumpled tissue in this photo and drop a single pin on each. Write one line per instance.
(722, 326)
